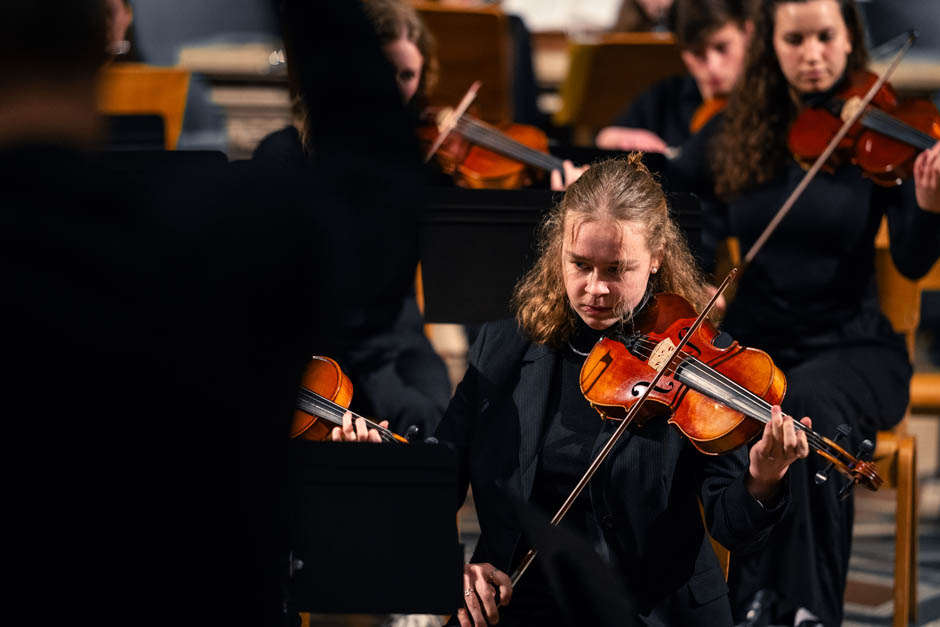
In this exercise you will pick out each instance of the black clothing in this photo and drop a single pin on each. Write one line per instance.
(155, 326)
(644, 514)
(666, 109)
(571, 430)
(283, 150)
(394, 370)
(809, 299)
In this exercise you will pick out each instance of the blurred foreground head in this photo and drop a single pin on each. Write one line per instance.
(50, 54)
(51, 39)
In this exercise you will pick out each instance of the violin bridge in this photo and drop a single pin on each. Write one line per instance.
(850, 107)
(661, 354)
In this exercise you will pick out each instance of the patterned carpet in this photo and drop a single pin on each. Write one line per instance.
(869, 595)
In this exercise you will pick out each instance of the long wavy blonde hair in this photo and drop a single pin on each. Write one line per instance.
(617, 189)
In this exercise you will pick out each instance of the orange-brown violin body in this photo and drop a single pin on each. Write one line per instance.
(324, 377)
(477, 167)
(613, 378)
(886, 158)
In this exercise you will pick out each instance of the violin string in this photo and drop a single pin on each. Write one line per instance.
(495, 140)
(910, 134)
(499, 141)
(328, 410)
(891, 126)
(527, 156)
(760, 407)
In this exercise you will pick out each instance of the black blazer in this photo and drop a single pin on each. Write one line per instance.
(644, 498)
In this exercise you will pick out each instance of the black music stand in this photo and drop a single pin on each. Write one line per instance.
(476, 244)
(376, 529)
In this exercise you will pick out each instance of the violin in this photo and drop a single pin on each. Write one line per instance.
(322, 398)
(719, 398)
(705, 112)
(482, 156)
(884, 142)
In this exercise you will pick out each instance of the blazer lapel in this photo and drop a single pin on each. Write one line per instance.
(531, 399)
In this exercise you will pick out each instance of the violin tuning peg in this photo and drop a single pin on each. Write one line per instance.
(413, 433)
(822, 476)
(842, 431)
(865, 450)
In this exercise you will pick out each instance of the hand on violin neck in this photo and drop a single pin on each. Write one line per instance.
(781, 444)
(927, 179)
(356, 431)
(572, 173)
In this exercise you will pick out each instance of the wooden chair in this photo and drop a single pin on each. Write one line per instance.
(895, 452)
(138, 88)
(604, 76)
(925, 386)
(472, 44)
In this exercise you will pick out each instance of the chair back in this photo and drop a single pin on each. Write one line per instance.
(472, 44)
(135, 88)
(604, 76)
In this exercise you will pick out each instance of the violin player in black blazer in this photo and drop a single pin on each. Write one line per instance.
(523, 430)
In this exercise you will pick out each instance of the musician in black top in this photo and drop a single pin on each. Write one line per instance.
(809, 297)
(523, 431)
(712, 36)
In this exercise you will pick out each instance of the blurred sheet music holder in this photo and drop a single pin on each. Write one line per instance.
(586, 588)
(475, 244)
(376, 529)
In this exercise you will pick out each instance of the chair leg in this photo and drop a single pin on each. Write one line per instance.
(915, 495)
(905, 567)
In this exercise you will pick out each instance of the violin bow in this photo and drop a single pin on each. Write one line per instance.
(615, 436)
(811, 173)
(450, 122)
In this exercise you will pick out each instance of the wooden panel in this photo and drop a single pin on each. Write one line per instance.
(472, 44)
(605, 76)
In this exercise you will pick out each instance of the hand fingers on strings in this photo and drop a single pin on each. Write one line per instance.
(336, 434)
(555, 181)
(931, 163)
(374, 434)
(362, 431)
(777, 437)
(803, 449)
(349, 433)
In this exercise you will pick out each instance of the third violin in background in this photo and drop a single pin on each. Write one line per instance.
(884, 142)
